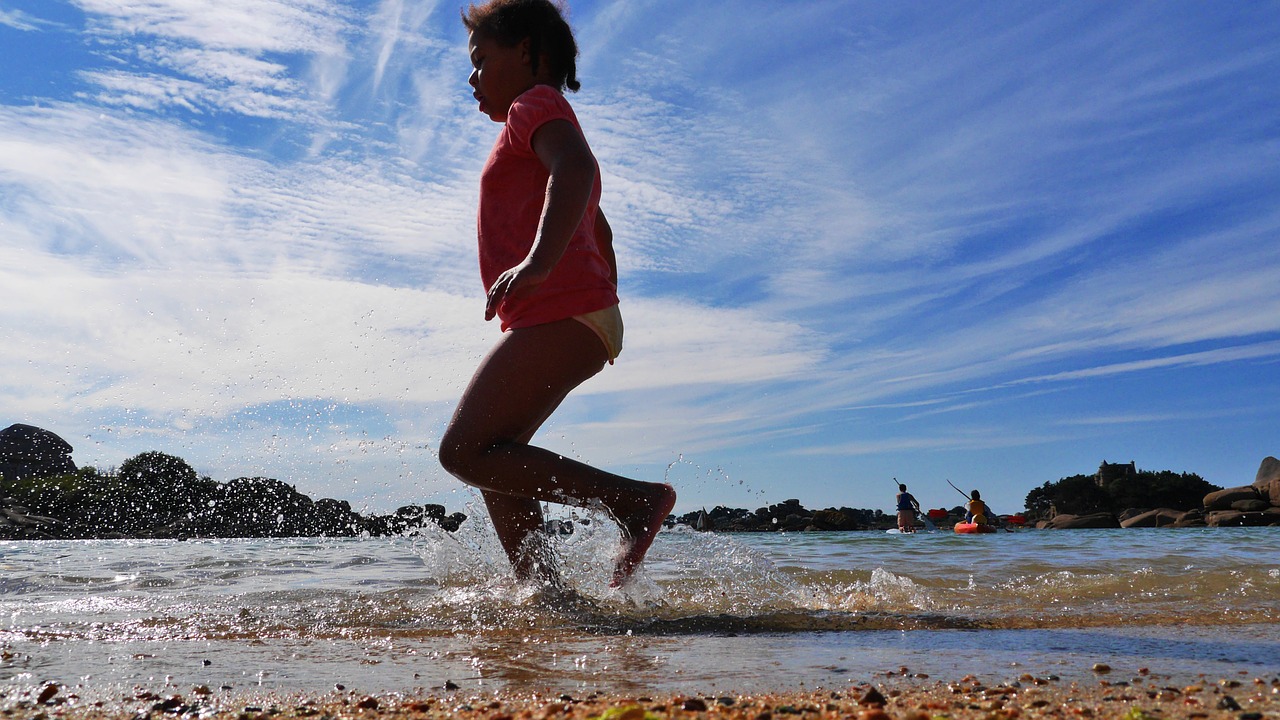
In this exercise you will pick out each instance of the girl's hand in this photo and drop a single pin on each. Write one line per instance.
(521, 279)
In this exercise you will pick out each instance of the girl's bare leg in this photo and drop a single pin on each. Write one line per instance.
(522, 532)
(517, 386)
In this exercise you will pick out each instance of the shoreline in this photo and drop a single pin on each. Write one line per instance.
(892, 695)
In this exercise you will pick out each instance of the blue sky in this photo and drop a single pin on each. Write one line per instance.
(995, 243)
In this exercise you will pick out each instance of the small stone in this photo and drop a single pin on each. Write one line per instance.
(555, 708)
(368, 703)
(172, 705)
(873, 697)
(694, 705)
(1101, 668)
(47, 692)
(633, 712)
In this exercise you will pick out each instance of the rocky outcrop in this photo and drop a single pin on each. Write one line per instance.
(19, 523)
(1160, 517)
(1065, 521)
(1247, 505)
(28, 451)
(1267, 481)
(1244, 506)
(1240, 518)
(1228, 498)
(154, 495)
(786, 516)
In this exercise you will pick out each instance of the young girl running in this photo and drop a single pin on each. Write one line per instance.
(546, 259)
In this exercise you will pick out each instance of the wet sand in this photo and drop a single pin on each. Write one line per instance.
(893, 695)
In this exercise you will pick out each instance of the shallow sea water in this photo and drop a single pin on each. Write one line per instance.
(708, 613)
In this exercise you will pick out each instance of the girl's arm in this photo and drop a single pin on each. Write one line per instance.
(572, 169)
(604, 239)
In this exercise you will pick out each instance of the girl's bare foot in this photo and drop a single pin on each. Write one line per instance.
(639, 529)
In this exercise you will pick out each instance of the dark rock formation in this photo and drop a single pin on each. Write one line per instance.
(1238, 518)
(29, 451)
(1077, 522)
(1267, 481)
(786, 516)
(1191, 518)
(1225, 498)
(153, 495)
(1247, 505)
(1244, 506)
(1160, 517)
(19, 523)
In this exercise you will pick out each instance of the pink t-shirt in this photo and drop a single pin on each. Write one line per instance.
(513, 188)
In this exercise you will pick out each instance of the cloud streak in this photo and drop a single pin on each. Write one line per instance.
(854, 240)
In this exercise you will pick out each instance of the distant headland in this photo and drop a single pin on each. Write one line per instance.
(44, 495)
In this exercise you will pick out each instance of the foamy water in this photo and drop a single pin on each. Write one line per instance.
(707, 612)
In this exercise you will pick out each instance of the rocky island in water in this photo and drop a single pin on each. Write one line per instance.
(44, 495)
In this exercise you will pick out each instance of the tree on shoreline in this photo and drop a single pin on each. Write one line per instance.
(1145, 489)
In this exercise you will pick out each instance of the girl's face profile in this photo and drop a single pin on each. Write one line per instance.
(500, 74)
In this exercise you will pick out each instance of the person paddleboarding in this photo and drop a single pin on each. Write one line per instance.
(908, 510)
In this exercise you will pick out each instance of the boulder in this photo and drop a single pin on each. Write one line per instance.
(333, 518)
(1101, 520)
(453, 521)
(16, 523)
(1160, 517)
(1250, 505)
(29, 451)
(1131, 513)
(1236, 518)
(1222, 499)
(1268, 480)
(1191, 518)
(832, 519)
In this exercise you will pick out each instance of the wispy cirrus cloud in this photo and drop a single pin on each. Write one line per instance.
(19, 20)
(239, 57)
(853, 238)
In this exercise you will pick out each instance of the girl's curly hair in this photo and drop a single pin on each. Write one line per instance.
(511, 21)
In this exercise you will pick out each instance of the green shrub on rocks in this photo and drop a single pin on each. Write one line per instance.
(1085, 494)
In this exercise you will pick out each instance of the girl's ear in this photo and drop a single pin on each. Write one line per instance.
(526, 56)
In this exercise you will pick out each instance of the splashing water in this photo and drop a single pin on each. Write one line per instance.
(398, 612)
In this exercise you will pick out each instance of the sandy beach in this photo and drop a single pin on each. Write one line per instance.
(898, 694)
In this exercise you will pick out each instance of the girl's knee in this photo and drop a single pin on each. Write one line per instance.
(456, 457)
